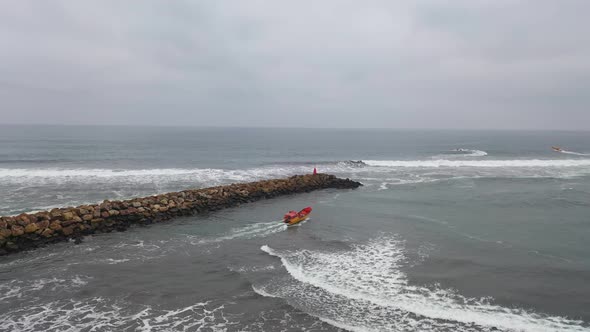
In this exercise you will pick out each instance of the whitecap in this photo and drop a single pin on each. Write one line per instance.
(365, 289)
(541, 163)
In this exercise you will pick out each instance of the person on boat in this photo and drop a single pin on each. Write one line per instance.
(290, 215)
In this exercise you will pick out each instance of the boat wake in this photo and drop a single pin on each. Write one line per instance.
(261, 229)
(364, 289)
(574, 153)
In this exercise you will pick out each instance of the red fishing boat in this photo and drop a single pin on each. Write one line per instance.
(293, 218)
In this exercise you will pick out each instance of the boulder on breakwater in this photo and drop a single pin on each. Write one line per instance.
(32, 230)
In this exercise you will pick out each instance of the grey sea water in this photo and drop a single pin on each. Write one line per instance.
(452, 231)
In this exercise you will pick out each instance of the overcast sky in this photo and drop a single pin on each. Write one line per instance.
(308, 63)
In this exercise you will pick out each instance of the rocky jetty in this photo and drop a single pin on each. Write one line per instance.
(27, 231)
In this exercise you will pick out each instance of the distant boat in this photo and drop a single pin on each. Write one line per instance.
(557, 149)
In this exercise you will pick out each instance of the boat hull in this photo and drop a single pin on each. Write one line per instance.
(296, 220)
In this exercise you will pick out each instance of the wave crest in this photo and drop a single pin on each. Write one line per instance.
(532, 163)
(365, 289)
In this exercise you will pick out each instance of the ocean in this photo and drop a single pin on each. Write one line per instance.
(452, 231)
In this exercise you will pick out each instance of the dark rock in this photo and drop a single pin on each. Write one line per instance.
(43, 224)
(5, 232)
(67, 230)
(55, 225)
(17, 230)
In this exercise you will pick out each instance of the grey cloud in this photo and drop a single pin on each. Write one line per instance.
(426, 63)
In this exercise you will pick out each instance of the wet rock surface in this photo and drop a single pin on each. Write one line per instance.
(27, 231)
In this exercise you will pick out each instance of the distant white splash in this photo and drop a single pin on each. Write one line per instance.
(364, 289)
(469, 153)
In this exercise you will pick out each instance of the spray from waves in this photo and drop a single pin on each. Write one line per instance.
(99, 314)
(261, 229)
(516, 163)
(365, 290)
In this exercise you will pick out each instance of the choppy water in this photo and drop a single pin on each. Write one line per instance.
(453, 231)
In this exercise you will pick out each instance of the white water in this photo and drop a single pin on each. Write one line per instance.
(44, 189)
(575, 153)
(364, 289)
(251, 231)
(17, 289)
(537, 163)
(469, 153)
(98, 314)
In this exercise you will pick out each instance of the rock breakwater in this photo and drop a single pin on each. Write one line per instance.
(30, 230)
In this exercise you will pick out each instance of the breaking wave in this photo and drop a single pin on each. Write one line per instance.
(352, 163)
(364, 289)
(200, 175)
(537, 163)
(34, 189)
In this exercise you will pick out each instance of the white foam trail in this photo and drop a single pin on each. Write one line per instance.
(477, 153)
(372, 293)
(532, 163)
(575, 153)
(251, 231)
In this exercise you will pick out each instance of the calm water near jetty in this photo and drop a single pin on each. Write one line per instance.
(453, 231)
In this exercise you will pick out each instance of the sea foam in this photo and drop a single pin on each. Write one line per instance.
(365, 289)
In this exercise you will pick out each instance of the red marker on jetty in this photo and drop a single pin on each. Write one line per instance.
(315, 171)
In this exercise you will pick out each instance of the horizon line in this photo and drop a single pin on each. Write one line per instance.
(284, 127)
